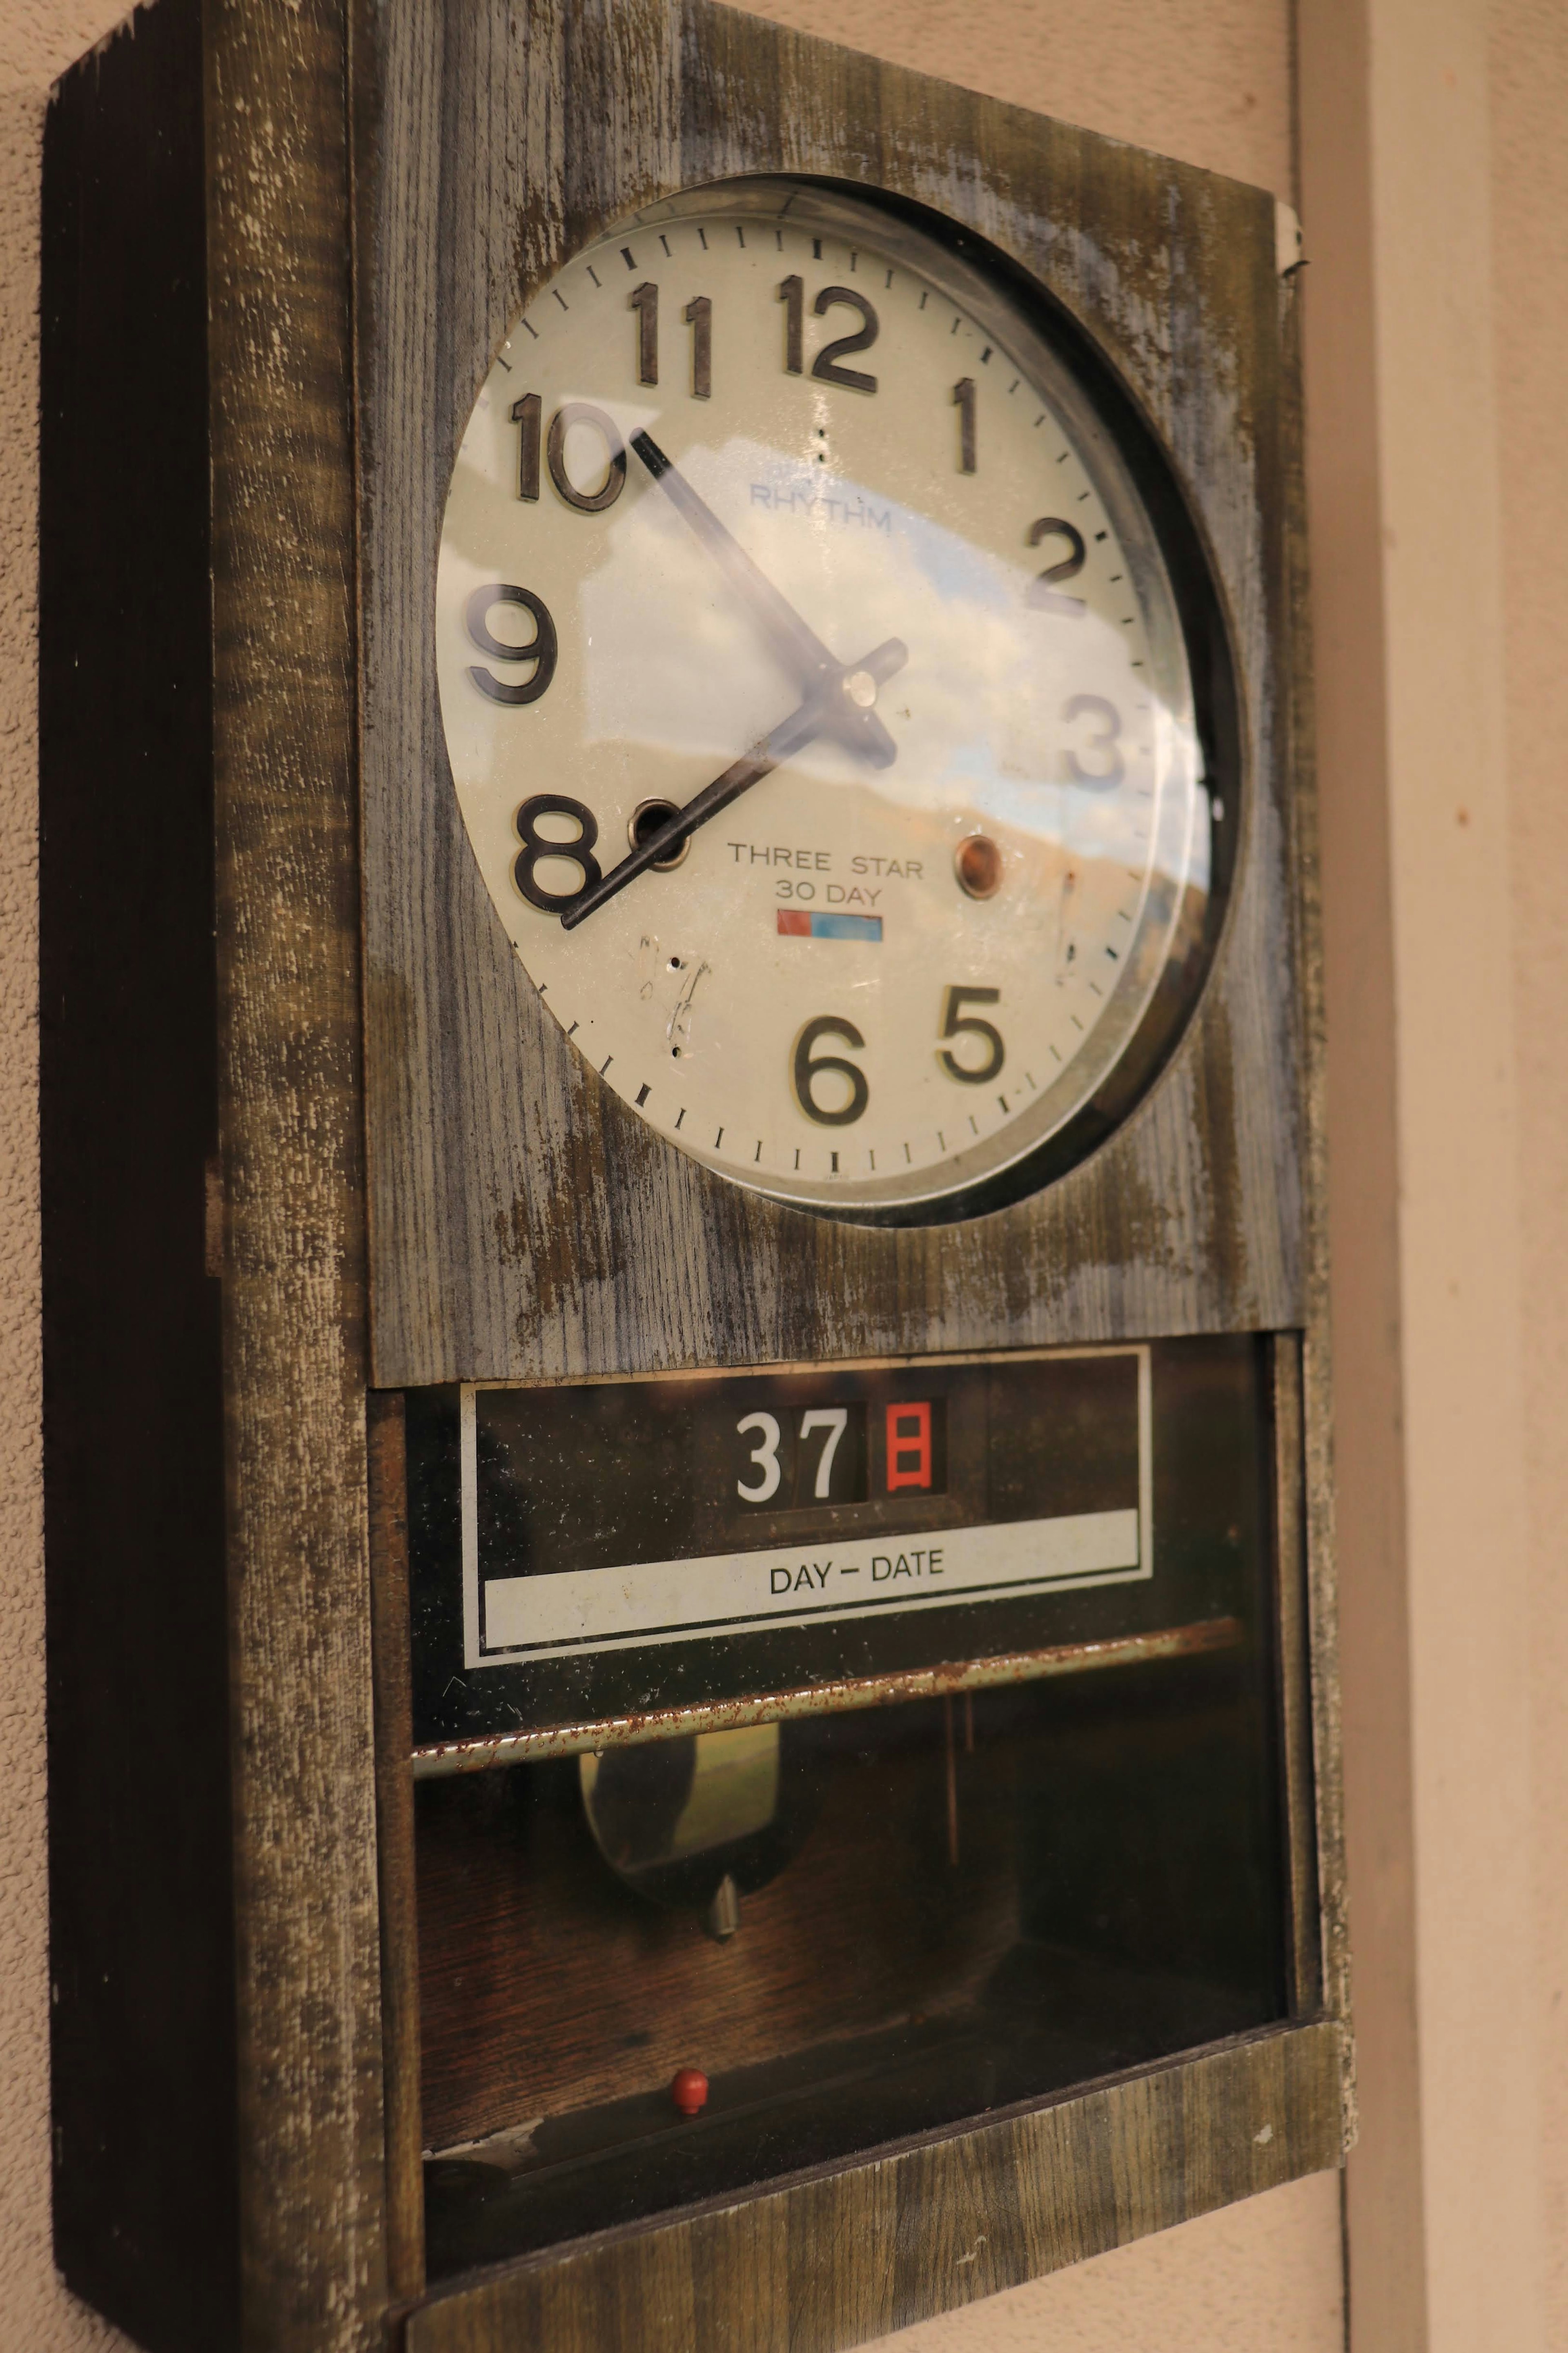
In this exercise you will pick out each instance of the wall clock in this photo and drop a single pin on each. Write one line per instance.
(689, 1598)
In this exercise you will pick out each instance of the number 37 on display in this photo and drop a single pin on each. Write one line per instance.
(820, 1454)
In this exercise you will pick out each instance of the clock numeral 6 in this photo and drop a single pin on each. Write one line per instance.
(577, 850)
(807, 1068)
(540, 650)
(956, 1023)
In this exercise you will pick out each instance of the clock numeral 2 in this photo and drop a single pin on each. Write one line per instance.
(1042, 594)
(541, 650)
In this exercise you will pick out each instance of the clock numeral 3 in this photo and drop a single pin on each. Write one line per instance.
(806, 1068)
(541, 650)
(536, 846)
(1042, 594)
(1101, 745)
(956, 1023)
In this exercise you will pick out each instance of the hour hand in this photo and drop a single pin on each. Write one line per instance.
(797, 646)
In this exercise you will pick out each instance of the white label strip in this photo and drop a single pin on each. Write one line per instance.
(566, 1614)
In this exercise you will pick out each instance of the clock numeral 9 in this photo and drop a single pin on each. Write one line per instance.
(807, 1068)
(536, 846)
(956, 1023)
(540, 650)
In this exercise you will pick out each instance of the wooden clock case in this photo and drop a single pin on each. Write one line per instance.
(309, 1140)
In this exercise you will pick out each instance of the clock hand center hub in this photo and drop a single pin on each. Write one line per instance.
(861, 687)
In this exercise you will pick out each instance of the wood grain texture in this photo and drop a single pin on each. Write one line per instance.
(312, 2177)
(523, 1222)
(834, 2260)
(1316, 1352)
(387, 1452)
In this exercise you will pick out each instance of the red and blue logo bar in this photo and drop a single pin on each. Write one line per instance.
(796, 923)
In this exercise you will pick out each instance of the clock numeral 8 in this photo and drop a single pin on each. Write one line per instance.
(537, 845)
(807, 1068)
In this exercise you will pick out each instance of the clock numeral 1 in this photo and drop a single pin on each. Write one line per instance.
(1042, 594)
(807, 1068)
(964, 401)
(956, 1023)
(698, 317)
(645, 303)
(792, 294)
(525, 413)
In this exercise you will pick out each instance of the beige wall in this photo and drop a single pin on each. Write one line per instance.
(1434, 178)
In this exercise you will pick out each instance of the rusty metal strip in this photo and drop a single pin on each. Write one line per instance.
(825, 1699)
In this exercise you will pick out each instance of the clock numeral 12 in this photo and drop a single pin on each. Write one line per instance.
(827, 365)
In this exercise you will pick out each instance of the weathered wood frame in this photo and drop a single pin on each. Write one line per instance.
(332, 243)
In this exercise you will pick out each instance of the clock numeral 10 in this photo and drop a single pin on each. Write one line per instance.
(526, 416)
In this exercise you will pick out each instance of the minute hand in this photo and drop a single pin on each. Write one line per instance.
(798, 645)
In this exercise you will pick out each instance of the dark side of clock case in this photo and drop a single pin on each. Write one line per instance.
(524, 1223)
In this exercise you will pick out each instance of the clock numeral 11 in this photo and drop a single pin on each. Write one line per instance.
(697, 315)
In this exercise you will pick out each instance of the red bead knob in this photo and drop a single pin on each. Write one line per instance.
(690, 2090)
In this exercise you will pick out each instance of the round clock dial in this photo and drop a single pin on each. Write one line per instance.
(818, 705)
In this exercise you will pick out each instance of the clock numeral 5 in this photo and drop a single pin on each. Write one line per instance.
(956, 1023)
(540, 650)
(577, 850)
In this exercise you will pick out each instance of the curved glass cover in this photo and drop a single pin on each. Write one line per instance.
(768, 497)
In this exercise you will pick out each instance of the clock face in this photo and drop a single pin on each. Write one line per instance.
(818, 705)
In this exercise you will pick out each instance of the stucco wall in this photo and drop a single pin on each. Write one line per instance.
(1435, 186)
